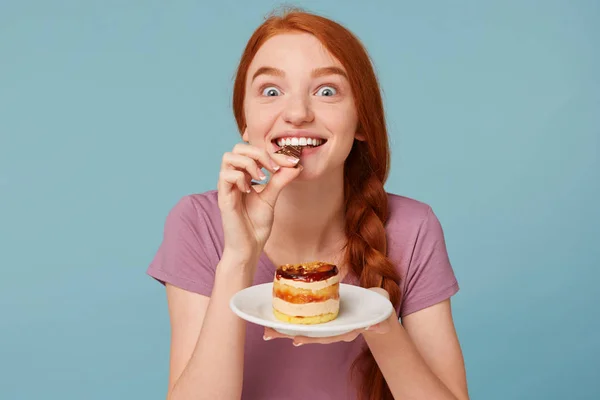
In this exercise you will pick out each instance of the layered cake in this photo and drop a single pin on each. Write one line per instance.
(307, 293)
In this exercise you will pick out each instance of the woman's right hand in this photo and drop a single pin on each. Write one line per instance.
(247, 215)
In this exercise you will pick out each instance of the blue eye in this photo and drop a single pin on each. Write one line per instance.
(326, 91)
(270, 91)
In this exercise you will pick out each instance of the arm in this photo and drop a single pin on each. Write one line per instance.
(207, 341)
(423, 358)
(207, 344)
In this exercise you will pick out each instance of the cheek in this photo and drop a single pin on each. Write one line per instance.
(259, 119)
(342, 122)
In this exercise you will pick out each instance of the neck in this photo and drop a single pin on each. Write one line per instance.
(310, 218)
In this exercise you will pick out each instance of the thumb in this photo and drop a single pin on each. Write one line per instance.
(277, 182)
(381, 291)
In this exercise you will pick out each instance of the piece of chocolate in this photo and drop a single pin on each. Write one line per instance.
(293, 151)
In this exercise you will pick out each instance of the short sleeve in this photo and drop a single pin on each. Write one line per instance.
(430, 278)
(186, 256)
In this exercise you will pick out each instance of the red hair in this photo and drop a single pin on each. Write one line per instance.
(365, 170)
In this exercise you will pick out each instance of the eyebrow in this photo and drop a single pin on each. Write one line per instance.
(319, 72)
(268, 71)
(316, 73)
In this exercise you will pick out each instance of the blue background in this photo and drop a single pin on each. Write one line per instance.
(110, 111)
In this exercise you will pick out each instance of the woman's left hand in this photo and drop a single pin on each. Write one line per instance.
(380, 328)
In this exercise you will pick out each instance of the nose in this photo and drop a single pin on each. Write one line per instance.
(298, 110)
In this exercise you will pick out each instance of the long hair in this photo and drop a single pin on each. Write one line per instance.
(365, 169)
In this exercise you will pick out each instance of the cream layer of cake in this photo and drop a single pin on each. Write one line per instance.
(306, 309)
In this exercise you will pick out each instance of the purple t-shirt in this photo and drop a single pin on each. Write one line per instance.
(193, 244)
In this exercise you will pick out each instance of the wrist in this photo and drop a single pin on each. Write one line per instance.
(237, 267)
(239, 257)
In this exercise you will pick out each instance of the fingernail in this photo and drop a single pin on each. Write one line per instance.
(274, 166)
(262, 176)
(297, 344)
(267, 337)
(293, 160)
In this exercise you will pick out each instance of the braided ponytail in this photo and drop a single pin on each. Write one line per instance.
(366, 249)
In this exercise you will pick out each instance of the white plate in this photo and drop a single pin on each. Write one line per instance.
(359, 308)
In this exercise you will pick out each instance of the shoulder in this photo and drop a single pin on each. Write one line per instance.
(205, 201)
(191, 245)
(417, 246)
(197, 214)
(197, 206)
(406, 213)
(194, 224)
(413, 230)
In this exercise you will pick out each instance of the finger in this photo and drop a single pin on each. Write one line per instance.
(284, 161)
(273, 334)
(348, 337)
(279, 180)
(377, 328)
(301, 340)
(381, 291)
(238, 161)
(234, 178)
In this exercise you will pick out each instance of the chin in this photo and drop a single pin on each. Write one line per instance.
(319, 171)
(309, 175)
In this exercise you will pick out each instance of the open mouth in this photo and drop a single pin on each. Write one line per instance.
(299, 141)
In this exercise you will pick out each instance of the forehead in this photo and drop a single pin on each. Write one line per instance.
(293, 52)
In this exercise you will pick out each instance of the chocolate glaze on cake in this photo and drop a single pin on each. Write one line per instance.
(307, 272)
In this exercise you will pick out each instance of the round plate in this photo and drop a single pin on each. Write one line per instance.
(359, 308)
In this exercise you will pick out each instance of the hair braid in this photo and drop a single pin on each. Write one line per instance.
(366, 252)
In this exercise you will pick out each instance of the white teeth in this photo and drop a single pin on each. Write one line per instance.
(299, 141)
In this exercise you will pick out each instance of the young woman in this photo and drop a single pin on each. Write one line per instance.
(306, 77)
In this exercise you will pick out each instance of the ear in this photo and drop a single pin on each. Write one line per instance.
(245, 135)
(360, 136)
